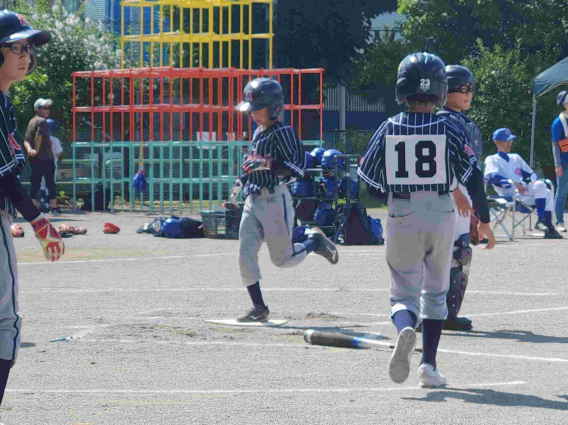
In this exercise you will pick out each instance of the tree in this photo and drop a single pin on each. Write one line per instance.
(76, 45)
(503, 99)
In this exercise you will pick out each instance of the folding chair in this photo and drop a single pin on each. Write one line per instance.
(501, 207)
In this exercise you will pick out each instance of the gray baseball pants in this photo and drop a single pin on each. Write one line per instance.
(10, 321)
(268, 217)
(419, 253)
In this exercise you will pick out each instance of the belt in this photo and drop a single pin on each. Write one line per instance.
(267, 190)
(406, 195)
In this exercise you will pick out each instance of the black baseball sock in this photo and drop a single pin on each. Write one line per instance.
(404, 319)
(256, 295)
(431, 333)
(5, 366)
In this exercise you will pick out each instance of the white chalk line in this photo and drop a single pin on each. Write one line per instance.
(500, 313)
(110, 260)
(261, 391)
(505, 356)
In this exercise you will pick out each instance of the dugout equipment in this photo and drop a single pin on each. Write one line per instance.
(354, 226)
(262, 93)
(14, 27)
(459, 76)
(51, 243)
(317, 153)
(302, 188)
(327, 159)
(422, 73)
(454, 298)
(110, 229)
(463, 253)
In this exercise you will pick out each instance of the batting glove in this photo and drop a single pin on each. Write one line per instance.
(49, 239)
(235, 190)
(257, 163)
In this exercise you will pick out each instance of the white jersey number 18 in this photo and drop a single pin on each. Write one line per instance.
(416, 159)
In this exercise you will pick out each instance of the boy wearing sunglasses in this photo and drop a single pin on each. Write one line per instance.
(17, 59)
(460, 94)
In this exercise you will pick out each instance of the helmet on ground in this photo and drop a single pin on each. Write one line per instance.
(327, 159)
(14, 27)
(52, 125)
(317, 153)
(422, 74)
(172, 228)
(262, 93)
(458, 75)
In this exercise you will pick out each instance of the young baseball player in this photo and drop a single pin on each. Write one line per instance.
(275, 156)
(414, 161)
(17, 59)
(505, 166)
(460, 94)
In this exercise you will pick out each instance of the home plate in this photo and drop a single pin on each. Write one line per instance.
(234, 322)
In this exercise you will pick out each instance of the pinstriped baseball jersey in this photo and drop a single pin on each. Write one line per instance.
(11, 157)
(414, 152)
(279, 143)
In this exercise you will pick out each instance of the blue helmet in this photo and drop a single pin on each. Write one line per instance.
(302, 188)
(317, 153)
(327, 159)
(140, 183)
(52, 125)
(172, 228)
(309, 161)
(354, 187)
(262, 93)
(325, 215)
(329, 187)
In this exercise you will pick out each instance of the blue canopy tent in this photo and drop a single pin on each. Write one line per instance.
(544, 82)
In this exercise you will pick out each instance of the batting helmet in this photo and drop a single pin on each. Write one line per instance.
(422, 73)
(52, 125)
(302, 188)
(262, 93)
(14, 27)
(317, 153)
(458, 75)
(325, 215)
(309, 161)
(172, 228)
(327, 159)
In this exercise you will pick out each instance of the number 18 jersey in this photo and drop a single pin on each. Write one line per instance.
(414, 152)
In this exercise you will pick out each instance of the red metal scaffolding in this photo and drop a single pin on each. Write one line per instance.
(163, 104)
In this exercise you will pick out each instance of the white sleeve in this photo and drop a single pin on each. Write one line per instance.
(55, 145)
(525, 167)
(491, 167)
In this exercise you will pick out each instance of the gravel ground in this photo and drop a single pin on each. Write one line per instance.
(139, 352)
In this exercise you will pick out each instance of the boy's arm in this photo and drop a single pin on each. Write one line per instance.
(291, 154)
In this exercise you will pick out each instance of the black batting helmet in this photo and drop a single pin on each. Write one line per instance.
(422, 73)
(14, 27)
(262, 93)
(458, 75)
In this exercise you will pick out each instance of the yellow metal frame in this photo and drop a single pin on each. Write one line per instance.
(206, 34)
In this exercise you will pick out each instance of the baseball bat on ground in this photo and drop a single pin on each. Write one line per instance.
(329, 339)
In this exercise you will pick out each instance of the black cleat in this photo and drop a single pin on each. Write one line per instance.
(255, 314)
(552, 234)
(458, 324)
(541, 225)
(326, 248)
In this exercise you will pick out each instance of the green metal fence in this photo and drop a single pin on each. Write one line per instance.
(191, 175)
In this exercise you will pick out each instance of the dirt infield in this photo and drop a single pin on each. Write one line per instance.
(131, 346)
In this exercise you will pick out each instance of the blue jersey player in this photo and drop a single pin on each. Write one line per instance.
(414, 161)
(275, 156)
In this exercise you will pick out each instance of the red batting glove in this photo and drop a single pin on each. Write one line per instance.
(51, 243)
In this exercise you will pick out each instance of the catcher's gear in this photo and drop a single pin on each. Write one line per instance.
(51, 243)
(327, 159)
(235, 190)
(454, 298)
(71, 230)
(110, 229)
(422, 73)
(14, 27)
(257, 163)
(17, 231)
(463, 253)
(458, 76)
(262, 93)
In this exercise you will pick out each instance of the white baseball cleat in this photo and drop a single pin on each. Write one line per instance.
(399, 366)
(560, 227)
(428, 377)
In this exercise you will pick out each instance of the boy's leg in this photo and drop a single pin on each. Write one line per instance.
(35, 180)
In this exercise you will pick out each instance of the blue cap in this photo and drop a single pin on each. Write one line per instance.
(503, 135)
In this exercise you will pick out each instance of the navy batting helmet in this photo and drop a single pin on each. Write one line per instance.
(422, 73)
(262, 93)
(317, 153)
(52, 125)
(14, 27)
(327, 159)
(458, 76)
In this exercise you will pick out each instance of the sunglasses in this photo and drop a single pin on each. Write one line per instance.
(43, 107)
(18, 49)
(466, 88)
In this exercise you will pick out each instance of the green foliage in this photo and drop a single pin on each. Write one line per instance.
(503, 99)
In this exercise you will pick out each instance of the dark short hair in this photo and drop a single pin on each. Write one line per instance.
(423, 99)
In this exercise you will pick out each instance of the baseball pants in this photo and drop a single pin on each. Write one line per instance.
(42, 168)
(268, 217)
(10, 321)
(419, 253)
(537, 190)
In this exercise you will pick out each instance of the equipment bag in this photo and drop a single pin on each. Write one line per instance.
(354, 226)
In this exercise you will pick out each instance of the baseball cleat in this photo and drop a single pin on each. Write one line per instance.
(428, 377)
(326, 248)
(458, 324)
(255, 314)
(552, 234)
(541, 225)
(399, 366)
(561, 228)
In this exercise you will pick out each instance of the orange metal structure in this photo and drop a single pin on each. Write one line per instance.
(185, 104)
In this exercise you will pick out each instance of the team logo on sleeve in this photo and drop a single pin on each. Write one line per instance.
(13, 144)
(518, 171)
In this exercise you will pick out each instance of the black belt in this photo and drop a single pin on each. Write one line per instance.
(406, 195)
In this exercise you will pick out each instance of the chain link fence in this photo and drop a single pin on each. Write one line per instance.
(347, 141)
